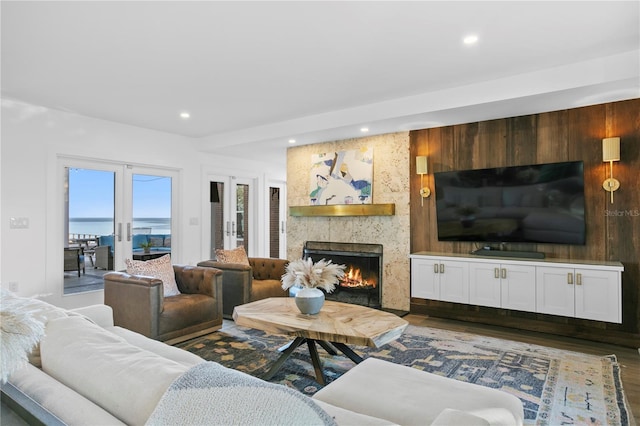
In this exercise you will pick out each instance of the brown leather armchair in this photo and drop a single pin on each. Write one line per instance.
(248, 283)
(139, 304)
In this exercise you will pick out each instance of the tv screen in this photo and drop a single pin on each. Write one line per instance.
(541, 203)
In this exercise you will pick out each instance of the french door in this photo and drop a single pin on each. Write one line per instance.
(231, 214)
(277, 204)
(109, 209)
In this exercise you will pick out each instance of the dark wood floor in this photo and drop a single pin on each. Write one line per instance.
(628, 358)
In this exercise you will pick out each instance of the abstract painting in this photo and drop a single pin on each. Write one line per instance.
(342, 177)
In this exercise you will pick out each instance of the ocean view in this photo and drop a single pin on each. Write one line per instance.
(105, 226)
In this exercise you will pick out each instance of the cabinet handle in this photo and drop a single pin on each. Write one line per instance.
(504, 273)
(496, 273)
(442, 268)
(570, 278)
(578, 279)
(119, 232)
(435, 268)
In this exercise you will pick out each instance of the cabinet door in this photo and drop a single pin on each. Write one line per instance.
(518, 287)
(484, 284)
(598, 295)
(555, 291)
(425, 281)
(454, 281)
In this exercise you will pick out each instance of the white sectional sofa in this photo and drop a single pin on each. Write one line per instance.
(92, 373)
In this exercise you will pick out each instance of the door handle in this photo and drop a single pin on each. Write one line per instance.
(503, 273)
(228, 228)
(128, 231)
(435, 268)
(282, 228)
(578, 279)
(233, 229)
(442, 268)
(570, 278)
(496, 272)
(119, 231)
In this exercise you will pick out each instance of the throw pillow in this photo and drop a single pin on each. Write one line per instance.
(160, 268)
(20, 333)
(237, 255)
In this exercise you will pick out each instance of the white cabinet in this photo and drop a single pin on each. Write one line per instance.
(579, 292)
(503, 285)
(587, 290)
(440, 279)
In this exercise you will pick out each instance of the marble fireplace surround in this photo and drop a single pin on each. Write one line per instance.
(390, 186)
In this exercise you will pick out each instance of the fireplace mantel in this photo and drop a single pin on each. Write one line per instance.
(344, 210)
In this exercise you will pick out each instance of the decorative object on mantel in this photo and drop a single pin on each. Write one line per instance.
(342, 177)
(344, 210)
(311, 277)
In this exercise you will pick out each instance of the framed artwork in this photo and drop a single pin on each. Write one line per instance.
(342, 177)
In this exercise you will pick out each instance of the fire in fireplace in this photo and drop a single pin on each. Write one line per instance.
(362, 283)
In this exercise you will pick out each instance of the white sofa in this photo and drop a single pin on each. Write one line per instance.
(93, 373)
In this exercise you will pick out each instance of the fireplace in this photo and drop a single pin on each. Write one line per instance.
(362, 283)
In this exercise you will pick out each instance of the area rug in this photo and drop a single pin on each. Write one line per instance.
(555, 386)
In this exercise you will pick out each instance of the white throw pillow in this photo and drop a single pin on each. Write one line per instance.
(160, 268)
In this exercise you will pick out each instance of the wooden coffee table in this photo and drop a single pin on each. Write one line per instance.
(336, 326)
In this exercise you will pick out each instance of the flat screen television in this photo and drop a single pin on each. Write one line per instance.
(540, 203)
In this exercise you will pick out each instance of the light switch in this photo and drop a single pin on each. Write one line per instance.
(19, 223)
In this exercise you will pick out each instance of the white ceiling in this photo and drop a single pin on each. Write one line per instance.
(255, 74)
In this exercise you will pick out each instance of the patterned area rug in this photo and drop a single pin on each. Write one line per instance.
(556, 387)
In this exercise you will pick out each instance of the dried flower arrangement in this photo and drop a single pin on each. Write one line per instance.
(322, 274)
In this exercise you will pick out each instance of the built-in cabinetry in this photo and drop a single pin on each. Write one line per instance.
(587, 290)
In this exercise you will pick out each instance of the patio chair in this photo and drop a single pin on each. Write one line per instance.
(74, 260)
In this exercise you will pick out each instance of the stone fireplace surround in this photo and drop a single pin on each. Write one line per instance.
(390, 185)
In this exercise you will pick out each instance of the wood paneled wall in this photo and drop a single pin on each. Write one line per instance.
(613, 230)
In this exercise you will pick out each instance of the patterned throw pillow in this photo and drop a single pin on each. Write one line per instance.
(237, 255)
(160, 268)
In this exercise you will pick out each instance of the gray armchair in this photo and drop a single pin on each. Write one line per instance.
(248, 283)
(139, 304)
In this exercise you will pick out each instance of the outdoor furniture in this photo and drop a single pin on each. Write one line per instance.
(74, 260)
(248, 283)
(104, 258)
(139, 304)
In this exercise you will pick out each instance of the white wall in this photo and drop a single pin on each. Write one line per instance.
(33, 137)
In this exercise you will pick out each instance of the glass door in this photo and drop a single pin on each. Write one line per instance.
(113, 212)
(230, 214)
(150, 228)
(277, 221)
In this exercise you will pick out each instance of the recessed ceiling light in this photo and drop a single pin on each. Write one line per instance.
(292, 141)
(364, 129)
(185, 115)
(470, 39)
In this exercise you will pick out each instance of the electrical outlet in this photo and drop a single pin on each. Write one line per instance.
(13, 286)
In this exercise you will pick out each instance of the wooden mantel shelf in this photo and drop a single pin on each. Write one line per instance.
(344, 210)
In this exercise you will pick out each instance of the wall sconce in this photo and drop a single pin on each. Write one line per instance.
(421, 169)
(611, 153)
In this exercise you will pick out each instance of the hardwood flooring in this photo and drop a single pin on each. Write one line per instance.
(628, 358)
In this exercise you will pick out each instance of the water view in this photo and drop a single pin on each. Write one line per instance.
(105, 226)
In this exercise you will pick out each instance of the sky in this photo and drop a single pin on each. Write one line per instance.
(92, 193)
